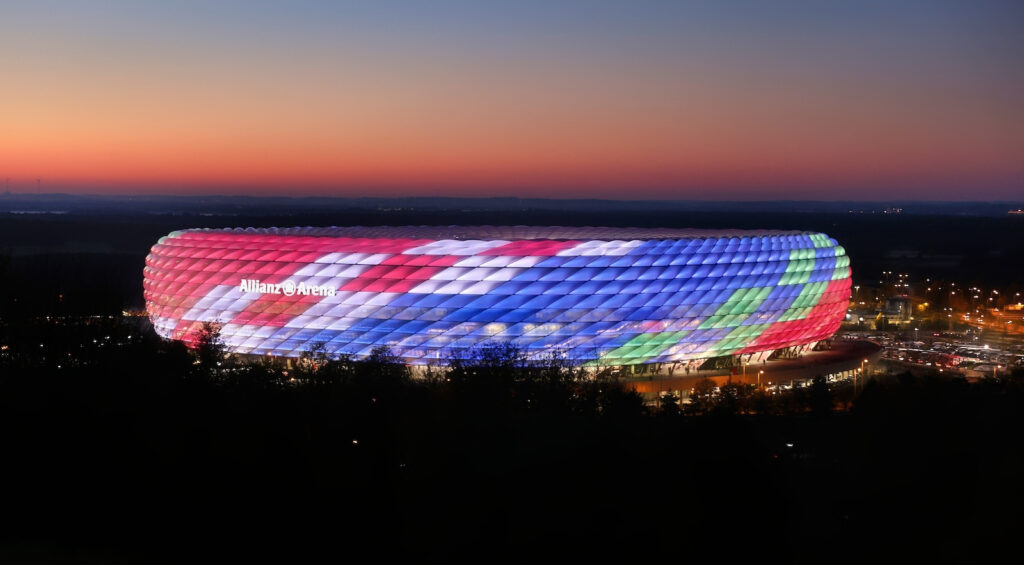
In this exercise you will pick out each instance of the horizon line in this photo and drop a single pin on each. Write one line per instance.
(499, 197)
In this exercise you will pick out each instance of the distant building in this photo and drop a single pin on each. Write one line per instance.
(897, 309)
(607, 296)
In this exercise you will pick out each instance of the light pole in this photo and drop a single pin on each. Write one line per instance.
(759, 373)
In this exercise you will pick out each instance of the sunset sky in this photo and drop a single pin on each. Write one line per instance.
(710, 100)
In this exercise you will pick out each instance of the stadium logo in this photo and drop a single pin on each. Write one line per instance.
(287, 288)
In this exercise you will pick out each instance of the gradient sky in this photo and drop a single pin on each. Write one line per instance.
(713, 100)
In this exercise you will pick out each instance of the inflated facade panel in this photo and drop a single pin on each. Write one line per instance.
(611, 296)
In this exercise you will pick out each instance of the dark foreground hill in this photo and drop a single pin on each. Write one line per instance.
(146, 453)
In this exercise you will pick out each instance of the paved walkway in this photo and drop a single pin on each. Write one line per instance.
(845, 355)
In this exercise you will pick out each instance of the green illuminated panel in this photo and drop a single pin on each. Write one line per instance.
(644, 346)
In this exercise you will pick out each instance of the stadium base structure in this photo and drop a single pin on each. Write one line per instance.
(604, 296)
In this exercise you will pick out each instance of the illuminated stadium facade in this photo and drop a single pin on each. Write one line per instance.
(606, 296)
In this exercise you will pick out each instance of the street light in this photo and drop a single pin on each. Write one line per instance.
(759, 373)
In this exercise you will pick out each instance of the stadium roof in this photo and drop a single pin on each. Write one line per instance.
(509, 232)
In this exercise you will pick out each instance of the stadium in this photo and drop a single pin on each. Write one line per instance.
(593, 295)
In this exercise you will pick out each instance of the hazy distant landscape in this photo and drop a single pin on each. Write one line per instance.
(85, 253)
(29, 203)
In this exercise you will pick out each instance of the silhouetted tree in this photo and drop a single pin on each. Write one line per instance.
(313, 359)
(820, 396)
(548, 385)
(487, 373)
(731, 399)
(208, 348)
(258, 373)
(668, 405)
(381, 370)
(763, 403)
(317, 367)
(702, 397)
(611, 399)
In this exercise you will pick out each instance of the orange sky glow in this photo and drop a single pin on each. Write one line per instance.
(104, 107)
